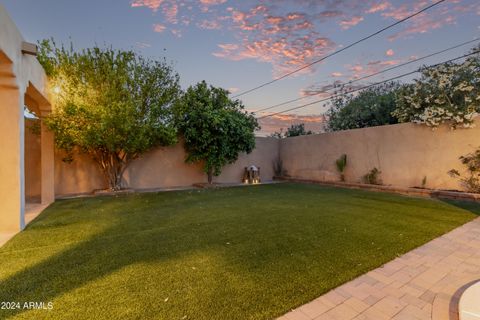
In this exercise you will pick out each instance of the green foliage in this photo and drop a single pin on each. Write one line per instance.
(215, 128)
(372, 177)
(371, 107)
(278, 134)
(424, 182)
(448, 93)
(294, 130)
(113, 105)
(472, 163)
(341, 164)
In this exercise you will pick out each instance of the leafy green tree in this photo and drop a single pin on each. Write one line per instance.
(215, 128)
(447, 93)
(371, 107)
(112, 105)
(294, 130)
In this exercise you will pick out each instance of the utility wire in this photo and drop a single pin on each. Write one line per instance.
(372, 75)
(368, 86)
(340, 50)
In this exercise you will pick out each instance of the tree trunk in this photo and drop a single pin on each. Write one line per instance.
(210, 175)
(113, 167)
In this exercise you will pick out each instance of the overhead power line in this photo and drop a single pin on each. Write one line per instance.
(368, 86)
(340, 50)
(373, 74)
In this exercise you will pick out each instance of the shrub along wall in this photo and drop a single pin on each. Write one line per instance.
(404, 153)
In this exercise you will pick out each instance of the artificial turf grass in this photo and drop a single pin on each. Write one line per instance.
(235, 253)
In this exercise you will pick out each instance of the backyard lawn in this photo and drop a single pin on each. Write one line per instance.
(233, 253)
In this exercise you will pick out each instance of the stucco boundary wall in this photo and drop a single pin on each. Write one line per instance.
(161, 168)
(404, 153)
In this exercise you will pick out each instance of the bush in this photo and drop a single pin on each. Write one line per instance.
(216, 128)
(371, 107)
(472, 181)
(278, 167)
(341, 163)
(372, 177)
(294, 130)
(448, 93)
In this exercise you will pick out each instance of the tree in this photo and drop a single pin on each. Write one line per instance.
(371, 107)
(294, 130)
(447, 93)
(112, 105)
(215, 128)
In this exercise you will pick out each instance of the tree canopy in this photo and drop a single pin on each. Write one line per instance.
(215, 128)
(447, 93)
(111, 104)
(294, 130)
(371, 107)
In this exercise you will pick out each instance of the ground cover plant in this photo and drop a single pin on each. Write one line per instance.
(233, 253)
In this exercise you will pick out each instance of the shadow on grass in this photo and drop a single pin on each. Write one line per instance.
(471, 206)
(87, 261)
(288, 240)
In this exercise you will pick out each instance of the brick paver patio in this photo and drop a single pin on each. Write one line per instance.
(425, 283)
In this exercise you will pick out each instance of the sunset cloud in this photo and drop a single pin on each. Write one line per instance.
(152, 4)
(209, 25)
(288, 34)
(159, 27)
(212, 2)
(379, 6)
(353, 21)
(269, 125)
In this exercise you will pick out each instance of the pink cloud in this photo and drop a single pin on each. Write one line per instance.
(348, 23)
(359, 70)
(209, 25)
(281, 53)
(170, 13)
(423, 24)
(275, 123)
(389, 52)
(336, 74)
(159, 27)
(212, 2)
(379, 6)
(176, 32)
(233, 89)
(152, 4)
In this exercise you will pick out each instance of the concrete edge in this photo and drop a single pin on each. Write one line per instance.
(430, 193)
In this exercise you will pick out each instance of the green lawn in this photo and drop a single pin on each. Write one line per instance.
(234, 253)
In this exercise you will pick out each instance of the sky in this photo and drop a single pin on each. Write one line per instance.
(239, 44)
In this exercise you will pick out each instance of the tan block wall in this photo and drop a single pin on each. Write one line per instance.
(405, 153)
(159, 168)
(33, 166)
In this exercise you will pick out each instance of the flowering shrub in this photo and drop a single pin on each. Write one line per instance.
(448, 93)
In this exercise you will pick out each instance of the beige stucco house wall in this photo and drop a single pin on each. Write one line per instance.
(22, 83)
(404, 153)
